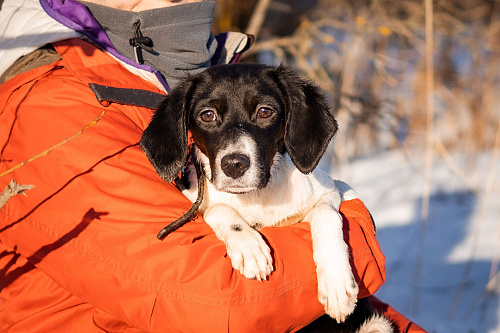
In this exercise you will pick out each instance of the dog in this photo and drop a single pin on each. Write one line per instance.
(259, 132)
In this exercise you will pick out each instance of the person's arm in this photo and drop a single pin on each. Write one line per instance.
(91, 222)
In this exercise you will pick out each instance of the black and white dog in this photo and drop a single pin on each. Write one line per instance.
(259, 133)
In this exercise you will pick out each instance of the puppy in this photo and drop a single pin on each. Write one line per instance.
(259, 133)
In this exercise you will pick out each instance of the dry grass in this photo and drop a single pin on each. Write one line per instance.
(370, 58)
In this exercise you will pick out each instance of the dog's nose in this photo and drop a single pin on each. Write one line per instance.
(235, 165)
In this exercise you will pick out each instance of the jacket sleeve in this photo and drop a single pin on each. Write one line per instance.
(91, 222)
(401, 323)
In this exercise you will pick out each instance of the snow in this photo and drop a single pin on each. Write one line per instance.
(437, 269)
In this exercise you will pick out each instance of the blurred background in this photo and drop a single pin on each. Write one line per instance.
(415, 88)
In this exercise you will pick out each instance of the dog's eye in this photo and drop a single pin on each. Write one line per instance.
(264, 112)
(208, 116)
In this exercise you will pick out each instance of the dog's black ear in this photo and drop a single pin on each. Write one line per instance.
(310, 124)
(165, 139)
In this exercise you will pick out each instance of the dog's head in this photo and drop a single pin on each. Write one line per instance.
(241, 117)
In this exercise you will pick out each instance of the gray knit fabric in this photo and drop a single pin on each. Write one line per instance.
(182, 41)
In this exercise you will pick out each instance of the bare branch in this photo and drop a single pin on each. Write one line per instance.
(258, 17)
(13, 189)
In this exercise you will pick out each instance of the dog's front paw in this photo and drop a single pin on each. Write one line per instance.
(338, 293)
(249, 254)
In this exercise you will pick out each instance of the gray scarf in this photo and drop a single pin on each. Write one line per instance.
(180, 39)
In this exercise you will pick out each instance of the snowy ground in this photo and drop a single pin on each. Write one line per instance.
(458, 241)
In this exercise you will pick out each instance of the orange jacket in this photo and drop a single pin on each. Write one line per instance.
(80, 253)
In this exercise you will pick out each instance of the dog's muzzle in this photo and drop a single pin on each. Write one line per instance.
(235, 165)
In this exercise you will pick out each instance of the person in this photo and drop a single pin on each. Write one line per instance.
(79, 82)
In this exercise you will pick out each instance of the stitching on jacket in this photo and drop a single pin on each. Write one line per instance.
(354, 254)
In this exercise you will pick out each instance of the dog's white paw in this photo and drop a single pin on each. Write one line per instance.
(249, 254)
(338, 293)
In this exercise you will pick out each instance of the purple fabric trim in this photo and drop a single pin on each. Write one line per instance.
(75, 16)
(237, 56)
(221, 41)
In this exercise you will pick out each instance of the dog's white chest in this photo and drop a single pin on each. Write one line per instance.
(287, 198)
(282, 207)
